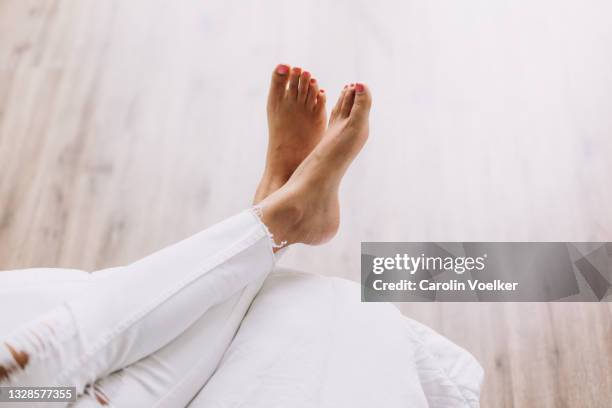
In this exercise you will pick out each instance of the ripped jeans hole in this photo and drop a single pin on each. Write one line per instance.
(16, 359)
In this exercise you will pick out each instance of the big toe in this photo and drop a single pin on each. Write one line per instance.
(278, 84)
(362, 102)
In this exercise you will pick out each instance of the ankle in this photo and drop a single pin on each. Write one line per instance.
(283, 217)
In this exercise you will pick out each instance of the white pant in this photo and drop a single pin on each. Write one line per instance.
(152, 334)
(159, 326)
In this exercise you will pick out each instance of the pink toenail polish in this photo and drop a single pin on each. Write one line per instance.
(282, 69)
(359, 87)
(306, 73)
(322, 90)
(345, 86)
(297, 70)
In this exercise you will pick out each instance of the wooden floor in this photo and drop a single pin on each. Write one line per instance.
(127, 125)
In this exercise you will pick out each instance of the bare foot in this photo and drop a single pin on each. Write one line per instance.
(296, 122)
(306, 208)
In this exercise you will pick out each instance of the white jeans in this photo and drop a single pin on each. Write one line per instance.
(158, 327)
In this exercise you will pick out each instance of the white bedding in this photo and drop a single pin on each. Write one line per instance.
(308, 341)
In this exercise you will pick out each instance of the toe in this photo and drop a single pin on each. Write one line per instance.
(313, 90)
(294, 82)
(347, 101)
(303, 86)
(363, 101)
(321, 98)
(278, 84)
(336, 109)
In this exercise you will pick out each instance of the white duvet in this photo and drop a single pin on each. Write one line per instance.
(308, 341)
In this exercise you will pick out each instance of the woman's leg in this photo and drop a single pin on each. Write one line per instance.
(174, 374)
(138, 311)
(296, 119)
(28, 293)
(170, 376)
(305, 210)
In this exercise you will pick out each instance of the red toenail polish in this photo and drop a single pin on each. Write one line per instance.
(352, 85)
(297, 70)
(312, 80)
(322, 90)
(282, 69)
(306, 73)
(359, 87)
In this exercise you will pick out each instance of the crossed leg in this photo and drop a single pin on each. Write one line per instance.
(191, 296)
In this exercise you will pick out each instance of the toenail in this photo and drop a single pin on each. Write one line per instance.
(359, 87)
(345, 86)
(297, 69)
(312, 80)
(322, 90)
(352, 85)
(306, 73)
(282, 69)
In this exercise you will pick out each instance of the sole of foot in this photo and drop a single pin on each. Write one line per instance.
(306, 209)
